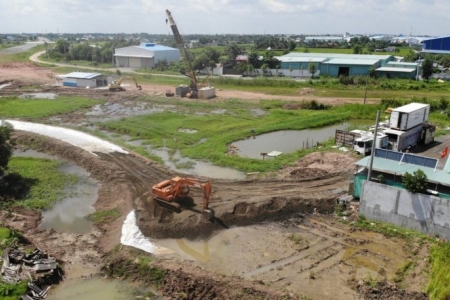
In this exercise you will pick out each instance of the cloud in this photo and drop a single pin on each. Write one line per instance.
(227, 16)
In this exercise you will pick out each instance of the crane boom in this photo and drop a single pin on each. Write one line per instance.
(181, 46)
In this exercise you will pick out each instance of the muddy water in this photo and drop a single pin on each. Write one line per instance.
(254, 257)
(178, 163)
(79, 285)
(50, 96)
(69, 214)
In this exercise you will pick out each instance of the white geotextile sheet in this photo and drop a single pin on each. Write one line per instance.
(77, 138)
(132, 236)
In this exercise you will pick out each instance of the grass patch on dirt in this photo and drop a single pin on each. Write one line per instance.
(40, 189)
(14, 107)
(438, 286)
(215, 130)
(104, 216)
(390, 230)
(401, 273)
(135, 269)
(13, 291)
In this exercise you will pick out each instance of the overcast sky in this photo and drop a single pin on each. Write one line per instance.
(422, 17)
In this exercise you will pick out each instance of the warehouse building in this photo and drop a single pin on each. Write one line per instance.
(405, 70)
(146, 55)
(333, 64)
(439, 45)
(85, 80)
(336, 65)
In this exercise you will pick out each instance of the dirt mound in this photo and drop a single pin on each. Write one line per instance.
(26, 73)
(388, 291)
(320, 165)
(308, 173)
(18, 65)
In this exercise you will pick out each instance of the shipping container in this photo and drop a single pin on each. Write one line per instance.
(409, 116)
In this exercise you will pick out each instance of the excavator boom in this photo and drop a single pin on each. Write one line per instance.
(116, 85)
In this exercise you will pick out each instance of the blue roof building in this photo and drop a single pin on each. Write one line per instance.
(439, 45)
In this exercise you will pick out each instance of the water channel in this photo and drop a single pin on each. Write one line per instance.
(69, 215)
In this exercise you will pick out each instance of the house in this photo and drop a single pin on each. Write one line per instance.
(85, 80)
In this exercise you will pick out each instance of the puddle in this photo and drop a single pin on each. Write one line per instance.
(185, 130)
(51, 96)
(257, 112)
(80, 286)
(363, 252)
(113, 111)
(34, 154)
(69, 214)
(219, 111)
(285, 141)
(194, 167)
(181, 164)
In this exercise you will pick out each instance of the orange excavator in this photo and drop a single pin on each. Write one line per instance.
(170, 193)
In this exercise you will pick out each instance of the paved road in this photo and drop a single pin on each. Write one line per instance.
(35, 58)
(20, 48)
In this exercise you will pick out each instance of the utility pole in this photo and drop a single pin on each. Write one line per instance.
(369, 174)
(365, 92)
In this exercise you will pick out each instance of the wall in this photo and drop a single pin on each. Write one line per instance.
(424, 213)
(168, 55)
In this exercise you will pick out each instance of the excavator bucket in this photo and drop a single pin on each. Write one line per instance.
(209, 214)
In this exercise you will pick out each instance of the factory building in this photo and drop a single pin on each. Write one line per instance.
(85, 80)
(336, 65)
(405, 70)
(439, 45)
(146, 55)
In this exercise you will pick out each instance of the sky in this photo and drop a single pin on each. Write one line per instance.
(311, 17)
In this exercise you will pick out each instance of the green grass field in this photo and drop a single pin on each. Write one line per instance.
(13, 107)
(45, 188)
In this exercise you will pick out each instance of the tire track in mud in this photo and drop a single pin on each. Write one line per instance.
(235, 202)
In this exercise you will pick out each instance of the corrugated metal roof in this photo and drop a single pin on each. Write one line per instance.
(394, 69)
(388, 166)
(82, 75)
(128, 55)
(342, 61)
(337, 55)
(411, 107)
(401, 63)
(156, 47)
(301, 59)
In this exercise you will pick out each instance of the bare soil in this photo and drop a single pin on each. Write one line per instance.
(323, 261)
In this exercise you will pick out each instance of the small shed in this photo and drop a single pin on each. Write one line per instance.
(86, 80)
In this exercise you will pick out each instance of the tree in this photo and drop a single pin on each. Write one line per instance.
(357, 49)
(427, 69)
(312, 69)
(6, 146)
(415, 182)
(232, 51)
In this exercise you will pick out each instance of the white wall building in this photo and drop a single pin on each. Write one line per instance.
(146, 55)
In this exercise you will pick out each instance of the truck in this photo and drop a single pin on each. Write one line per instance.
(363, 144)
(409, 116)
(402, 140)
(361, 141)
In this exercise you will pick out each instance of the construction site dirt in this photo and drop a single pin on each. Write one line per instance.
(277, 237)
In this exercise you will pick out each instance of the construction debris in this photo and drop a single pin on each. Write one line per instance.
(18, 266)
